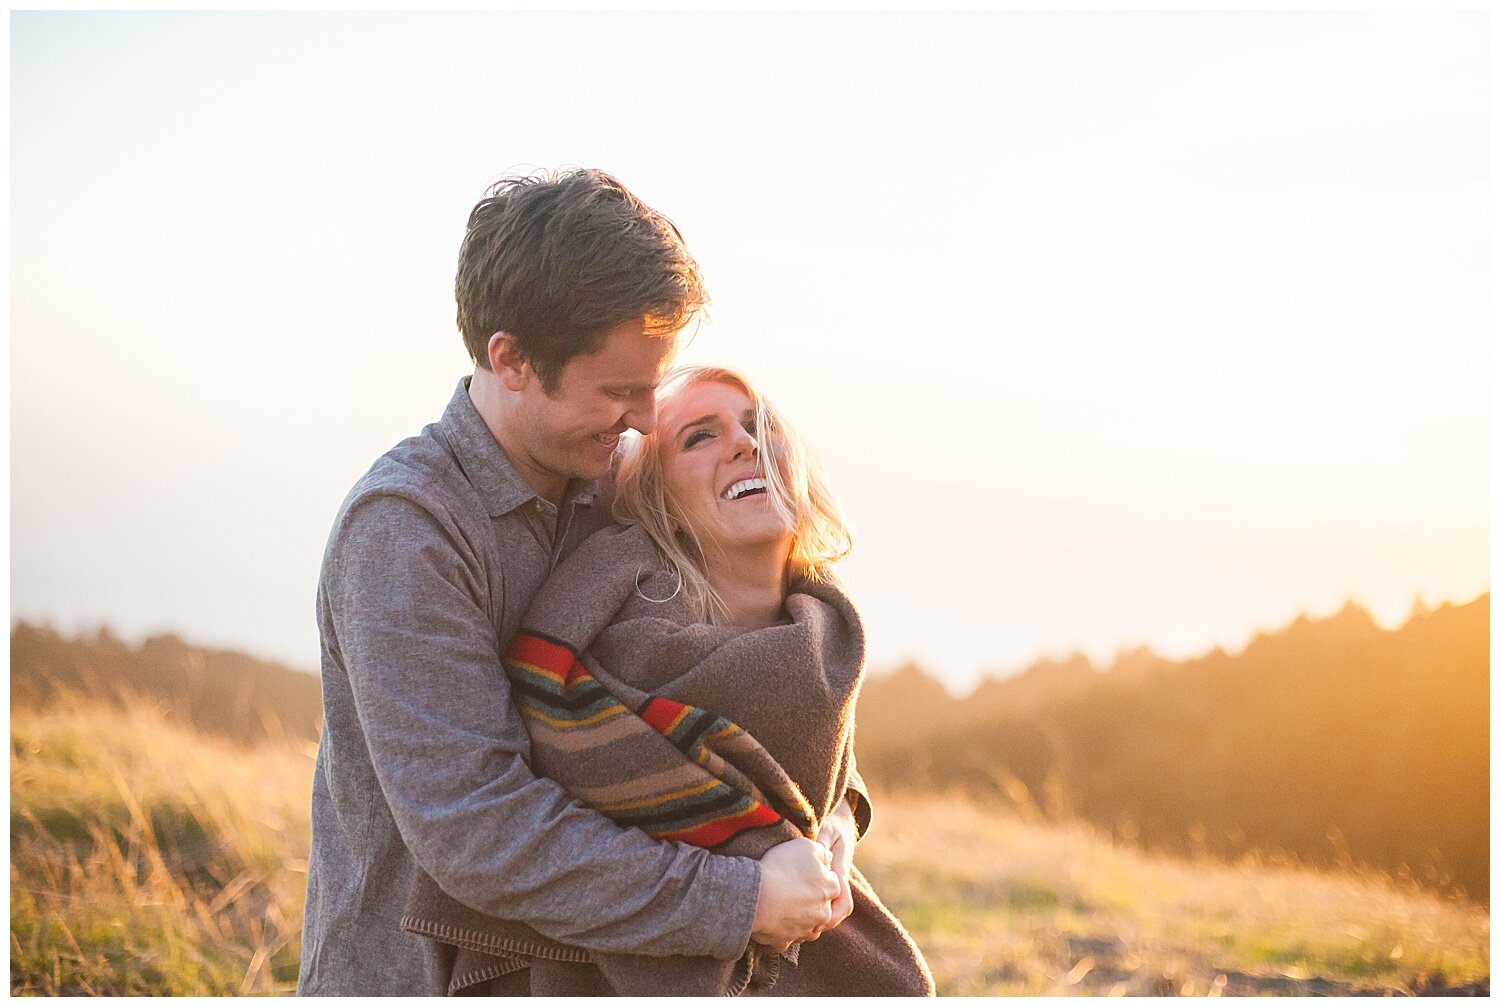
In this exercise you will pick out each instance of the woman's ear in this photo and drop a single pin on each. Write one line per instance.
(508, 363)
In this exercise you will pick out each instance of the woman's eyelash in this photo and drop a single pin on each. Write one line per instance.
(695, 437)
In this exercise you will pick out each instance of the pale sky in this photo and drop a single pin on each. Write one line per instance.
(1111, 329)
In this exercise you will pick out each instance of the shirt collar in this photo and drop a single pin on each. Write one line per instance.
(485, 463)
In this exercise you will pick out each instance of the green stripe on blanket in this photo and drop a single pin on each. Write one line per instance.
(552, 687)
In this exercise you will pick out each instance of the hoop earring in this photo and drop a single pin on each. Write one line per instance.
(658, 601)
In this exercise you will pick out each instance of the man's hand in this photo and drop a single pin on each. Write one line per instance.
(838, 835)
(796, 887)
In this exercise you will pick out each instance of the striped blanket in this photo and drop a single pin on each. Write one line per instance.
(727, 739)
(567, 709)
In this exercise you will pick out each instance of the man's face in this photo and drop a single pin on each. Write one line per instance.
(572, 431)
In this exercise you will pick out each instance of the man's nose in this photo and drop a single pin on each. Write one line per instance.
(641, 416)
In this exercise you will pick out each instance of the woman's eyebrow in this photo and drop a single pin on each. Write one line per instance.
(695, 423)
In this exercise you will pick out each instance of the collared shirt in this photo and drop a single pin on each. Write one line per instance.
(432, 561)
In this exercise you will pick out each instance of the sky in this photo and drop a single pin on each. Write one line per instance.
(1110, 329)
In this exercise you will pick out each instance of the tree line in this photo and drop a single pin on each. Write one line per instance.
(1331, 742)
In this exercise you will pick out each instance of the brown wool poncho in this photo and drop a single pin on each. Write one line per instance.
(728, 739)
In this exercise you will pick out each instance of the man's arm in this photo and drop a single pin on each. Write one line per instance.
(448, 751)
(858, 796)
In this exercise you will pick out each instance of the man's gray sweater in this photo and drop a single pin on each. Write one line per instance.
(433, 559)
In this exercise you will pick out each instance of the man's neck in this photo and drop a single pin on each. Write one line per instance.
(494, 406)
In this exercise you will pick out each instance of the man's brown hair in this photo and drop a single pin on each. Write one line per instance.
(558, 260)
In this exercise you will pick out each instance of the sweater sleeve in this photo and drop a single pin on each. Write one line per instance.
(449, 753)
(859, 799)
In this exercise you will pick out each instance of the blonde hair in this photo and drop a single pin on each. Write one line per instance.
(794, 481)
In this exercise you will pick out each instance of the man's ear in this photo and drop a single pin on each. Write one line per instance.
(508, 363)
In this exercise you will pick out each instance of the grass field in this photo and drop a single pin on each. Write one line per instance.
(1005, 907)
(149, 859)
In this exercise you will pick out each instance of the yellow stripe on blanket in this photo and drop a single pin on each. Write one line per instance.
(681, 716)
(538, 671)
(726, 732)
(563, 725)
(658, 799)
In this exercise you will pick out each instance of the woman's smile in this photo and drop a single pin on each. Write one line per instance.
(714, 468)
(745, 488)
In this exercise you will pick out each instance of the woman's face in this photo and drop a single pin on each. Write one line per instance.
(712, 467)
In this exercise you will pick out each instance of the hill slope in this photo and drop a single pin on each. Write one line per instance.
(220, 692)
(148, 859)
(1334, 740)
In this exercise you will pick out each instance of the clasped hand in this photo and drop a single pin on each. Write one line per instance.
(805, 884)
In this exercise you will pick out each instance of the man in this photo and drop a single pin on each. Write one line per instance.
(571, 293)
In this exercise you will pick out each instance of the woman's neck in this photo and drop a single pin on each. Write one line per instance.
(751, 583)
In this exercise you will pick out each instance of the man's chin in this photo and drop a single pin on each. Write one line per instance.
(595, 462)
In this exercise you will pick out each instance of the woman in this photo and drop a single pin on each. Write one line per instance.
(694, 674)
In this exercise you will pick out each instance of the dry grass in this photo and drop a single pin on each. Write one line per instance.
(148, 859)
(1004, 907)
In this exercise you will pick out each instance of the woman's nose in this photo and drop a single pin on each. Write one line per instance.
(744, 445)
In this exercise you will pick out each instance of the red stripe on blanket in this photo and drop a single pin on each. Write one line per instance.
(543, 654)
(662, 714)
(711, 834)
(576, 672)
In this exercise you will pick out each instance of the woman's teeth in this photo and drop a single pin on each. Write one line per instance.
(743, 487)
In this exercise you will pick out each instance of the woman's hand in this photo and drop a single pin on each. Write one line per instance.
(797, 886)
(838, 834)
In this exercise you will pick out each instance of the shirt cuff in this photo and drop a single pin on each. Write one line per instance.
(731, 888)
